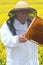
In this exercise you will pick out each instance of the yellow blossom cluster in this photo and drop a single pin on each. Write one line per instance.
(2, 54)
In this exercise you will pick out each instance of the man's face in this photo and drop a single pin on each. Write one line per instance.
(22, 16)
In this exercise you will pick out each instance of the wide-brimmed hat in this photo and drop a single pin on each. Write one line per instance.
(22, 6)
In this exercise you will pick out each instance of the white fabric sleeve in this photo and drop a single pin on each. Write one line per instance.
(7, 38)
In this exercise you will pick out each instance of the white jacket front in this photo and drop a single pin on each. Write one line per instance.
(18, 53)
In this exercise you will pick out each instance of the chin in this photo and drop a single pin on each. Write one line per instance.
(23, 22)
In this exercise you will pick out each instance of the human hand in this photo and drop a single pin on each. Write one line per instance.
(22, 38)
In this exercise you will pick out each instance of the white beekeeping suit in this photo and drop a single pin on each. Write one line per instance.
(18, 53)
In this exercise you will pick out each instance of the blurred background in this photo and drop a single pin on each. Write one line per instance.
(5, 7)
